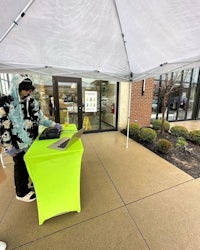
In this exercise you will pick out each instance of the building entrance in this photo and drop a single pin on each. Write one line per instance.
(87, 103)
(67, 100)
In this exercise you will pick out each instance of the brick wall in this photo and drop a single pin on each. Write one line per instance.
(141, 105)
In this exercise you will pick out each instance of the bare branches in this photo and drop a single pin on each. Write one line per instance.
(169, 86)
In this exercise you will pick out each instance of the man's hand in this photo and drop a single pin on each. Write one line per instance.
(58, 126)
(13, 151)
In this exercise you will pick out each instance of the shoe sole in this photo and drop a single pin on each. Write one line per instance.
(27, 197)
(22, 199)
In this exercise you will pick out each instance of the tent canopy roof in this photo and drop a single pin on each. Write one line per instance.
(103, 39)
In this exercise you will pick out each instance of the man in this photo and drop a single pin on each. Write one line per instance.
(20, 116)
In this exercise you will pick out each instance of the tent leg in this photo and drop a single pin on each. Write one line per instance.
(129, 113)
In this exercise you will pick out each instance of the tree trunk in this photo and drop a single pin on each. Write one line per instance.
(164, 102)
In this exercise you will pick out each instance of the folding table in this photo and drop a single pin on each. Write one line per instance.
(55, 175)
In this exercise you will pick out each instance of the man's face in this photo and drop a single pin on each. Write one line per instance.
(24, 93)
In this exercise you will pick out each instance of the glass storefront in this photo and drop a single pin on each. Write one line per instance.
(85, 102)
(183, 100)
(190, 104)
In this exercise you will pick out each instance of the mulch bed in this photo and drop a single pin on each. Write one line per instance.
(187, 159)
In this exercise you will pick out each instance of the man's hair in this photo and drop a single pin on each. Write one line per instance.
(26, 84)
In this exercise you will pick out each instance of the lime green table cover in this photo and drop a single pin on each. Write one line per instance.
(55, 175)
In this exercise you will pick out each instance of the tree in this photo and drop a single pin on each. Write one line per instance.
(169, 86)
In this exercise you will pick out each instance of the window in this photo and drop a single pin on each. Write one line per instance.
(4, 83)
(182, 101)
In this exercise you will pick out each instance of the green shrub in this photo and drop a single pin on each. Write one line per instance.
(179, 131)
(147, 135)
(134, 130)
(181, 142)
(158, 123)
(164, 145)
(194, 136)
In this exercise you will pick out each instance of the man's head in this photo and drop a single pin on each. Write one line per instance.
(25, 87)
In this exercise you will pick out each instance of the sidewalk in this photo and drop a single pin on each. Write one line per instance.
(131, 199)
(190, 125)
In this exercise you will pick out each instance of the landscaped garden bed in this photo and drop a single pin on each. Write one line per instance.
(178, 146)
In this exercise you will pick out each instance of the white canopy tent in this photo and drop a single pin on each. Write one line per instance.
(122, 40)
(104, 39)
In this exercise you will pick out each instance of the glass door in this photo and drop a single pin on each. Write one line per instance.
(88, 103)
(100, 100)
(67, 100)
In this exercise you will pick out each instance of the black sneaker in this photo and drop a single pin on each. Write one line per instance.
(28, 197)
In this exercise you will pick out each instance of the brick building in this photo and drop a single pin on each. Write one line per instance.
(141, 101)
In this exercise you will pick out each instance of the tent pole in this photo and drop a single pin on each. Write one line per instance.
(129, 113)
(131, 74)
(15, 22)
(122, 34)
